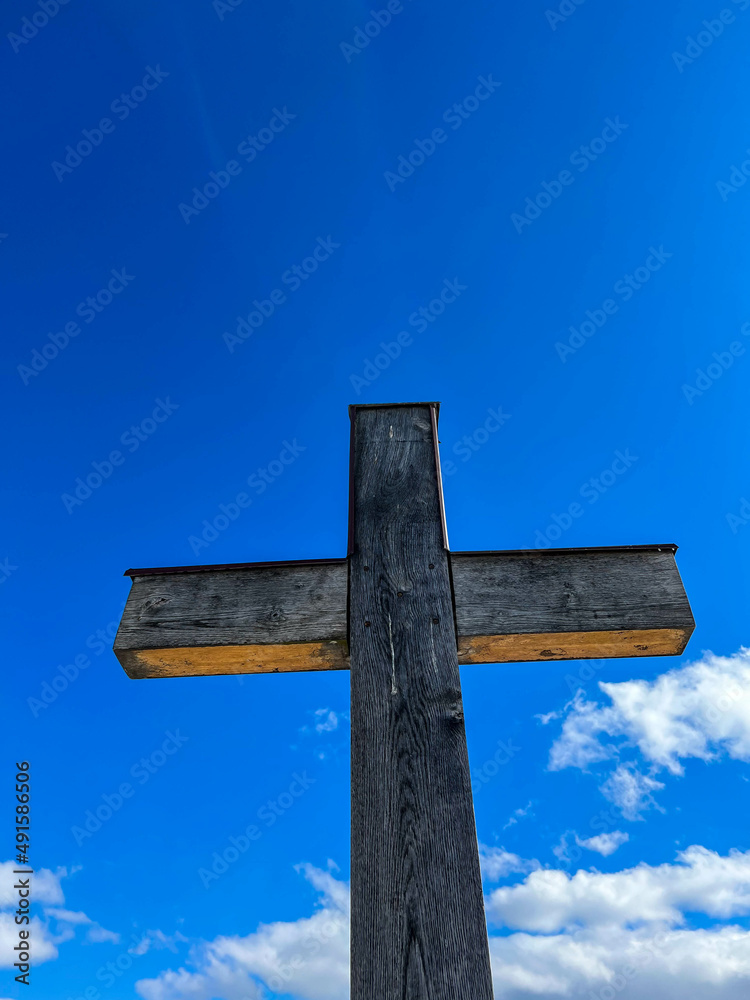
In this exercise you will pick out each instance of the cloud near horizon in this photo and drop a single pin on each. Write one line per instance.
(569, 934)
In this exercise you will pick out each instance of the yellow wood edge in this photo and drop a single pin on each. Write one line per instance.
(571, 645)
(202, 661)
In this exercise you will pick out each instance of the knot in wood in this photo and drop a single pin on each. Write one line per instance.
(455, 714)
(151, 604)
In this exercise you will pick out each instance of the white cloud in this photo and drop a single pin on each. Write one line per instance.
(158, 940)
(637, 964)
(631, 790)
(586, 934)
(562, 850)
(97, 934)
(601, 934)
(326, 720)
(701, 711)
(702, 881)
(46, 885)
(604, 843)
(498, 863)
(45, 946)
(518, 814)
(308, 958)
(67, 915)
(545, 719)
(46, 891)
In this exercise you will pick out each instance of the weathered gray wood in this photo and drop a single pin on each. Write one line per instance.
(417, 927)
(267, 617)
(418, 930)
(510, 606)
(569, 604)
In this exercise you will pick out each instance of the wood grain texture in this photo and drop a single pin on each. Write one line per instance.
(294, 613)
(202, 661)
(417, 928)
(569, 604)
(570, 646)
(510, 606)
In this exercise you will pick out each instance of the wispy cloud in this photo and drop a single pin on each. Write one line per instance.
(518, 814)
(57, 924)
(700, 711)
(326, 720)
(497, 863)
(604, 843)
(157, 940)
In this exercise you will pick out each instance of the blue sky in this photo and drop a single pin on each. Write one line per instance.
(559, 166)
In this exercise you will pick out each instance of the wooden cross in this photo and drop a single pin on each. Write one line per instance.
(402, 612)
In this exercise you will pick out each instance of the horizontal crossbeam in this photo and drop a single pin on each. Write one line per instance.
(238, 619)
(569, 604)
(553, 604)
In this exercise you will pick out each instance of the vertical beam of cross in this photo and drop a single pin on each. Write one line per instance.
(418, 928)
